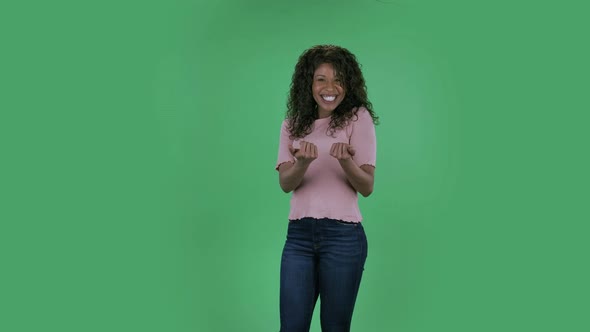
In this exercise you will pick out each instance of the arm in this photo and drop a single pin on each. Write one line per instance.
(361, 178)
(362, 151)
(291, 174)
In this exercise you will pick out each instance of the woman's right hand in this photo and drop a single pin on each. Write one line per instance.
(306, 153)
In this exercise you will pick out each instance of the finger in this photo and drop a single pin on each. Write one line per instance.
(301, 150)
(342, 150)
(315, 151)
(296, 149)
(332, 150)
(351, 150)
(302, 145)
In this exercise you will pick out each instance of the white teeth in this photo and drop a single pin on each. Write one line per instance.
(329, 98)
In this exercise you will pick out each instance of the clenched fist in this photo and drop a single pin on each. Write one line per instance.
(306, 153)
(342, 151)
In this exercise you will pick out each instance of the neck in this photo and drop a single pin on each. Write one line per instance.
(323, 115)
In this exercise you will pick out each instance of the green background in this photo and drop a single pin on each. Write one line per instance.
(139, 139)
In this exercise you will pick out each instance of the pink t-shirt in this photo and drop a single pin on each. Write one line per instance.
(324, 191)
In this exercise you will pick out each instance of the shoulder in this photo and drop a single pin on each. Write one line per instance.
(362, 115)
(285, 132)
(285, 124)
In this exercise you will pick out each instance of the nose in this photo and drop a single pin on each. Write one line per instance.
(330, 86)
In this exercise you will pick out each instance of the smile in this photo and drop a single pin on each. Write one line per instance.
(329, 98)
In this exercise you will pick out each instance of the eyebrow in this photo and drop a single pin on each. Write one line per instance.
(338, 77)
(322, 75)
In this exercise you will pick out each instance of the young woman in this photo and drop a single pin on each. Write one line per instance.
(327, 155)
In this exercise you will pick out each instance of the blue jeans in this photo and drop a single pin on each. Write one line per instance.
(325, 258)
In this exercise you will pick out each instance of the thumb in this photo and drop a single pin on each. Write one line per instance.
(351, 150)
(291, 149)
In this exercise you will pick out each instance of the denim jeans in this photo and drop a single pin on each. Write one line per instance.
(325, 258)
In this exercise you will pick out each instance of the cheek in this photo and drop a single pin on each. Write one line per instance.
(314, 89)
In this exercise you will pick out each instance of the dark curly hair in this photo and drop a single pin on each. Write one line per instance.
(302, 108)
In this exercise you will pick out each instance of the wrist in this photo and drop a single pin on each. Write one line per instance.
(301, 164)
(347, 161)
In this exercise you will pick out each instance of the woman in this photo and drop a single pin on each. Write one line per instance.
(327, 154)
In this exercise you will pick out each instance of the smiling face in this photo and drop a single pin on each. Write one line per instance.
(328, 90)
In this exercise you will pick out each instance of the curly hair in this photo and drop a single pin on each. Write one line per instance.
(301, 106)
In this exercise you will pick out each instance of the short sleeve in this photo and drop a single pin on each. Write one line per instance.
(284, 142)
(363, 139)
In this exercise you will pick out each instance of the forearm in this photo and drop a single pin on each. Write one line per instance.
(291, 178)
(358, 178)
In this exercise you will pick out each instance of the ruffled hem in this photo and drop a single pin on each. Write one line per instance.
(348, 218)
(370, 164)
(340, 220)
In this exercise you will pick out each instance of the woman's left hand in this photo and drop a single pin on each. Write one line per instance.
(342, 151)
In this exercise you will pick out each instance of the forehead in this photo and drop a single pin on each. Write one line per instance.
(325, 69)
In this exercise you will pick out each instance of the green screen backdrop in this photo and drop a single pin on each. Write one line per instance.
(139, 139)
